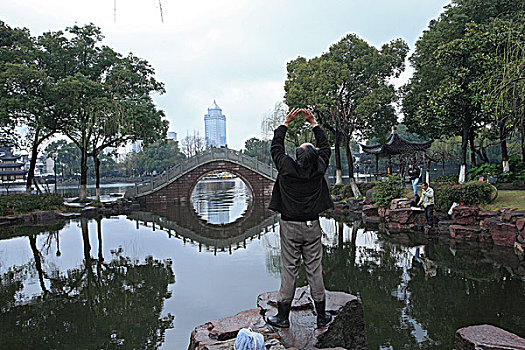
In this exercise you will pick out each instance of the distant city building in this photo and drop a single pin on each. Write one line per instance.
(215, 127)
(11, 166)
(172, 136)
(136, 147)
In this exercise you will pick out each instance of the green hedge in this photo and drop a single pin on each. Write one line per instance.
(25, 203)
(388, 188)
(471, 193)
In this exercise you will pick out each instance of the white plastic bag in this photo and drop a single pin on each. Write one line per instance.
(248, 340)
(452, 207)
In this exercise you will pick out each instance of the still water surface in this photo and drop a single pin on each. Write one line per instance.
(147, 279)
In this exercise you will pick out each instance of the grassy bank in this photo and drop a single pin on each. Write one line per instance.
(514, 200)
(16, 204)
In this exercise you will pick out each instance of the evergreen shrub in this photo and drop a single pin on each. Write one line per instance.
(471, 193)
(388, 188)
(365, 186)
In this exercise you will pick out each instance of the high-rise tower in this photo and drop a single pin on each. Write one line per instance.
(215, 127)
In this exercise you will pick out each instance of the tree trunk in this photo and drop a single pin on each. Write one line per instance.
(55, 170)
(464, 144)
(97, 175)
(32, 164)
(338, 166)
(472, 150)
(83, 174)
(522, 142)
(353, 185)
(503, 145)
(427, 174)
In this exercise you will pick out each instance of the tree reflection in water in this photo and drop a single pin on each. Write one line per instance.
(96, 305)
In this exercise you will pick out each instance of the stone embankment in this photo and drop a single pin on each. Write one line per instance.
(503, 228)
(345, 331)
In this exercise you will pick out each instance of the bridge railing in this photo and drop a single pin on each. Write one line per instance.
(215, 154)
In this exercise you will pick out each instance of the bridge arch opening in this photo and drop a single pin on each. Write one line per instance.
(221, 197)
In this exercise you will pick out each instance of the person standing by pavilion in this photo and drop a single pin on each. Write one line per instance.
(414, 173)
(300, 194)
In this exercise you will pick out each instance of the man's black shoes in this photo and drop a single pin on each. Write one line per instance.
(283, 312)
(323, 318)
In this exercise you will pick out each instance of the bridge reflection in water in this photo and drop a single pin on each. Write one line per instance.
(222, 217)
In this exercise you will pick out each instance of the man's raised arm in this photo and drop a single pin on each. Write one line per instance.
(277, 148)
(321, 141)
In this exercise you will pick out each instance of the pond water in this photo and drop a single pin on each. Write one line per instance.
(145, 280)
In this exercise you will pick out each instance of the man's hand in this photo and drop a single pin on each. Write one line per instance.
(291, 116)
(309, 116)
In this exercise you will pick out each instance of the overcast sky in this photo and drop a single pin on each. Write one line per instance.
(230, 50)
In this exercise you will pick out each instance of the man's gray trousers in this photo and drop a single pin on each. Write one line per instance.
(301, 240)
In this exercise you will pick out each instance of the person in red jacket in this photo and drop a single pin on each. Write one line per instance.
(300, 194)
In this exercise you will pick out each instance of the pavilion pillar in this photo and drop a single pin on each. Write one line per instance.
(389, 171)
(377, 165)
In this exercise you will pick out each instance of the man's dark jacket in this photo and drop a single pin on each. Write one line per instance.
(414, 173)
(300, 194)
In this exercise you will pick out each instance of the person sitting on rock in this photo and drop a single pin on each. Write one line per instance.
(300, 194)
(427, 200)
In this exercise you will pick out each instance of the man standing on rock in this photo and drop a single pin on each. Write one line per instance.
(300, 194)
(427, 200)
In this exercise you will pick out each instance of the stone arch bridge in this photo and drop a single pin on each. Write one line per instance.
(176, 184)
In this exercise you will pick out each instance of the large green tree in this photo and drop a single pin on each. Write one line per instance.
(441, 99)
(26, 94)
(349, 89)
(104, 99)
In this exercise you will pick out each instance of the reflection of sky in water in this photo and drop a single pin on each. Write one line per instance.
(220, 201)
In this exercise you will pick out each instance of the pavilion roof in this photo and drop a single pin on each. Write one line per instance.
(394, 145)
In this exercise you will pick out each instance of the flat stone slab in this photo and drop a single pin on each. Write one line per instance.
(487, 337)
(346, 330)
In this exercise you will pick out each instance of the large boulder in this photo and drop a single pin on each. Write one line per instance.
(369, 210)
(218, 334)
(346, 330)
(354, 204)
(465, 233)
(467, 216)
(43, 217)
(512, 216)
(399, 203)
(502, 233)
(369, 196)
(487, 337)
(484, 214)
(520, 225)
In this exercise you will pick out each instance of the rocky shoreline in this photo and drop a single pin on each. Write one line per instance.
(502, 228)
(49, 217)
